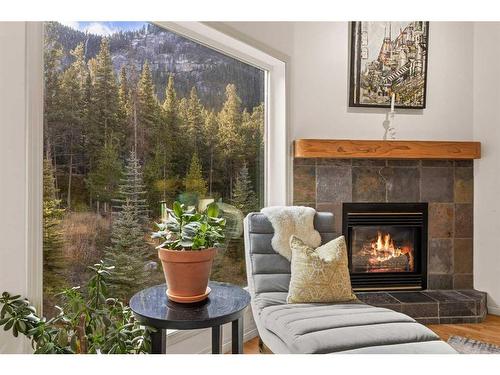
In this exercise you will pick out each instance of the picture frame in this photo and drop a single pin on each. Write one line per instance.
(384, 62)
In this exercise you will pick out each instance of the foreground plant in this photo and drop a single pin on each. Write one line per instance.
(186, 229)
(91, 323)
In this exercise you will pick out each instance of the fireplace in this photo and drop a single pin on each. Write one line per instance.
(387, 245)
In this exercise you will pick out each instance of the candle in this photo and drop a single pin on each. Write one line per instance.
(393, 98)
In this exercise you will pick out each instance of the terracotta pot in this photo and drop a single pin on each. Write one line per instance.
(186, 273)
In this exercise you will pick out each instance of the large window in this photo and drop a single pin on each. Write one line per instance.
(135, 117)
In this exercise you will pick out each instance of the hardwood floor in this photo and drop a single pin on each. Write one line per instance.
(487, 331)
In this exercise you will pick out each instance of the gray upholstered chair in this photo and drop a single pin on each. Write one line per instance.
(321, 328)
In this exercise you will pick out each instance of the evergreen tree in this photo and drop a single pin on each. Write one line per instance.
(103, 179)
(132, 189)
(173, 132)
(229, 142)
(244, 197)
(194, 126)
(106, 107)
(128, 253)
(148, 114)
(72, 105)
(53, 257)
(211, 130)
(194, 182)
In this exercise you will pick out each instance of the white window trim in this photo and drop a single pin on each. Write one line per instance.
(277, 155)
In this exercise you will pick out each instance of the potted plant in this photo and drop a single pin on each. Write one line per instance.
(189, 242)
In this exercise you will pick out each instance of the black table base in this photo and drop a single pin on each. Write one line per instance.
(225, 304)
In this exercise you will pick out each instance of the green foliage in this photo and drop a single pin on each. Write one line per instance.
(103, 179)
(132, 190)
(244, 197)
(194, 182)
(53, 258)
(186, 229)
(128, 252)
(96, 324)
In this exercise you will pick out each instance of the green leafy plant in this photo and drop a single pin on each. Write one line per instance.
(91, 323)
(186, 229)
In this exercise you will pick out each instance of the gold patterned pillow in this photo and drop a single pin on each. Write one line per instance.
(319, 275)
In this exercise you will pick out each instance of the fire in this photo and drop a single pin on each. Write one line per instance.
(383, 249)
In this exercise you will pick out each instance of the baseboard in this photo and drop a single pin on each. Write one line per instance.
(494, 310)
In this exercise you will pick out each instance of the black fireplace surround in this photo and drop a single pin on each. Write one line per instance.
(387, 245)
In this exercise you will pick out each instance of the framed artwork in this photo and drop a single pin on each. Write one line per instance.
(389, 58)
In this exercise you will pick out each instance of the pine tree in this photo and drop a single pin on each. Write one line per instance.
(194, 126)
(128, 253)
(244, 197)
(53, 257)
(109, 122)
(148, 112)
(103, 179)
(72, 105)
(229, 141)
(194, 182)
(211, 130)
(132, 189)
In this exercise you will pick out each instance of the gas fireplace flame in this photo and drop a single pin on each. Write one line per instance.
(384, 248)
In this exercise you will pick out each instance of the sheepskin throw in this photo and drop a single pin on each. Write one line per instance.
(319, 275)
(288, 221)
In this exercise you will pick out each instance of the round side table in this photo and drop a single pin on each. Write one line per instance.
(226, 303)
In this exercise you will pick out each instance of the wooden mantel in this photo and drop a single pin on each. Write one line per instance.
(352, 149)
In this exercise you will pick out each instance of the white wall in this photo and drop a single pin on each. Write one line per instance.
(486, 170)
(13, 186)
(318, 81)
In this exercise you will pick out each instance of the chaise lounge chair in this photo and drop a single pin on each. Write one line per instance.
(321, 328)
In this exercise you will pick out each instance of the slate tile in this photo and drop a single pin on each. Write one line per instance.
(463, 221)
(368, 185)
(464, 185)
(441, 216)
(464, 163)
(369, 162)
(440, 256)
(377, 298)
(437, 163)
(403, 163)
(439, 281)
(428, 320)
(420, 310)
(459, 320)
(411, 297)
(304, 161)
(447, 296)
(304, 183)
(336, 210)
(334, 184)
(463, 280)
(334, 162)
(403, 184)
(447, 309)
(437, 185)
(463, 256)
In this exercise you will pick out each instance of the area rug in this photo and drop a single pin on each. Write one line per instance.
(463, 345)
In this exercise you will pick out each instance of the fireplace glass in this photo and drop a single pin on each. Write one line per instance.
(382, 249)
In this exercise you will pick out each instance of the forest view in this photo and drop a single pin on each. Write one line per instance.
(133, 120)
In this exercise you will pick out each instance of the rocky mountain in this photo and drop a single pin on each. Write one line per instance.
(191, 63)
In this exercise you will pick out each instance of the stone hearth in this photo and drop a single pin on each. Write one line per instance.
(432, 306)
(447, 185)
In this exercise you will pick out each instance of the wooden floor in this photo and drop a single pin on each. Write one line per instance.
(487, 331)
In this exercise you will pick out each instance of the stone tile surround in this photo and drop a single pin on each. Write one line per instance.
(447, 185)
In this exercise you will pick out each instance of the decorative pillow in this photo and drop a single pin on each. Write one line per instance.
(319, 275)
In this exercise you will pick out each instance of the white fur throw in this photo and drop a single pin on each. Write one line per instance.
(288, 221)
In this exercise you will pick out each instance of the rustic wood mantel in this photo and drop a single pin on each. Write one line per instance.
(352, 149)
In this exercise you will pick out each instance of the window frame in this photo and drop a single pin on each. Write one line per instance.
(277, 154)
